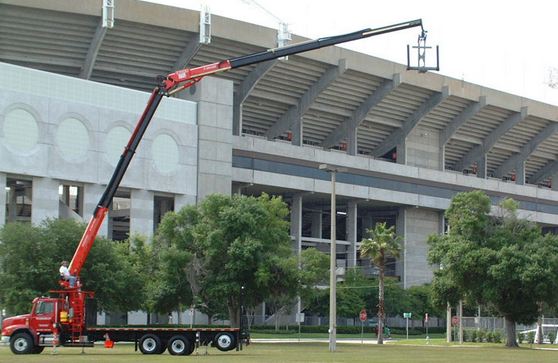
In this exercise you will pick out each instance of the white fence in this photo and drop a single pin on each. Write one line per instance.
(493, 323)
(469, 322)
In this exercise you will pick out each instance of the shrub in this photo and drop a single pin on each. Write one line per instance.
(481, 334)
(474, 336)
(520, 338)
(551, 337)
(497, 337)
(342, 329)
(489, 337)
(531, 337)
(434, 330)
(313, 329)
(403, 331)
(465, 335)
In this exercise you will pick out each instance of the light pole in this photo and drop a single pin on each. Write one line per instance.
(333, 170)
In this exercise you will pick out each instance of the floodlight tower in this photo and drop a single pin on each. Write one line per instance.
(552, 79)
(283, 33)
(108, 14)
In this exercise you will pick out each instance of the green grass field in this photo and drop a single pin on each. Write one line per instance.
(304, 352)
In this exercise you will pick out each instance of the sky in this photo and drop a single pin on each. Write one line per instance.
(511, 46)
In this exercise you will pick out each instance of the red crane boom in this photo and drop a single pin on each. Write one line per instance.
(182, 79)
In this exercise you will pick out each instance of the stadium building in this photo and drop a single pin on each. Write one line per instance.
(71, 91)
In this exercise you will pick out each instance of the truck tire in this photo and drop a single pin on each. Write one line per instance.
(224, 342)
(38, 349)
(150, 344)
(179, 345)
(163, 346)
(21, 343)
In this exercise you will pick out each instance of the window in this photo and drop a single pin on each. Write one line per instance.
(71, 197)
(119, 216)
(19, 194)
(45, 307)
(162, 205)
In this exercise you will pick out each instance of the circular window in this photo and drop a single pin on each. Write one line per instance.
(165, 153)
(21, 132)
(72, 139)
(117, 139)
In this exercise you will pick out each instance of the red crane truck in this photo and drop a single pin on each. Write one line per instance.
(60, 320)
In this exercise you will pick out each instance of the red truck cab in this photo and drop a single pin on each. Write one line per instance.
(30, 333)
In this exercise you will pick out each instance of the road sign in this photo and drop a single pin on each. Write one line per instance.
(407, 316)
(455, 320)
(363, 315)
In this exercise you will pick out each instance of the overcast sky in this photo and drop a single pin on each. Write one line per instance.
(507, 45)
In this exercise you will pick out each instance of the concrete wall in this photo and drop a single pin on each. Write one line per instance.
(419, 224)
(420, 187)
(44, 200)
(214, 97)
(141, 212)
(423, 149)
(70, 129)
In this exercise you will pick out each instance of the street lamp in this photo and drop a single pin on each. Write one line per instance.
(333, 170)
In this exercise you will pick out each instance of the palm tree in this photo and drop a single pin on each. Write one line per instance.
(382, 242)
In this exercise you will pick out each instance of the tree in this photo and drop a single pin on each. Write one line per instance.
(314, 267)
(381, 243)
(283, 278)
(499, 261)
(419, 302)
(233, 241)
(146, 266)
(30, 257)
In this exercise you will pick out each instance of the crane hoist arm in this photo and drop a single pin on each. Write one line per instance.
(182, 79)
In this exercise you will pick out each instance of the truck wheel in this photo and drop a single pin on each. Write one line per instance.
(163, 346)
(179, 345)
(21, 343)
(224, 342)
(38, 349)
(150, 344)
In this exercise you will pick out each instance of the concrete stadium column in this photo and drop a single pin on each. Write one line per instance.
(401, 151)
(297, 132)
(482, 167)
(423, 149)
(214, 97)
(141, 212)
(45, 199)
(352, 141)
(554, 181)
(419, 224)
(296, 223)
(91, 195)
(442, 157)
(316, 229)
(520, 173)
(351, 232)
(3, 180)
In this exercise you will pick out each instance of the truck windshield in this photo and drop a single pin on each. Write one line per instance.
(45, 307)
